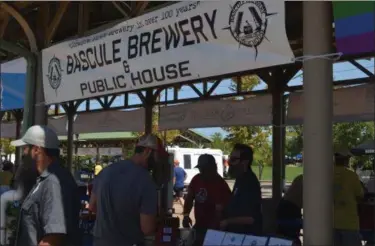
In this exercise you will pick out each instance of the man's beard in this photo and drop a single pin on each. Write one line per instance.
(26, 175)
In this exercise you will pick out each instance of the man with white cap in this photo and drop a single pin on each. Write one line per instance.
(124, 197)
(50, 211)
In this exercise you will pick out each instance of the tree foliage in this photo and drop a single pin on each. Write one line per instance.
(345, 136)
(248, 83)
(167, 136)
(6, 147)
(349, 135)
(218, 142)
(294, 140)
(255, 136)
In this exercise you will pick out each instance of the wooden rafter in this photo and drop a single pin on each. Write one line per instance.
(23, 23)
(120, 9)
(50, 33)
(83, 17)
(140, 7)
(4, 23)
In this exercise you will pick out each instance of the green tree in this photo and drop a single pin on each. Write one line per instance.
(255, 136)
(294, 140)
(167, 136)
(218, 142)
(349, 135)
(6, 147)
(248, 83)
(345, 136)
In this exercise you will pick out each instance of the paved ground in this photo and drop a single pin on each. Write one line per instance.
(266, 193)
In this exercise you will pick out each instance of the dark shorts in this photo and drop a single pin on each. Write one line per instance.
(200, 234)
(179, 191)
(289, 218)
(103, 242)
(347, 238)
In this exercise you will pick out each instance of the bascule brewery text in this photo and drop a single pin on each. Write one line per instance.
(183, 42)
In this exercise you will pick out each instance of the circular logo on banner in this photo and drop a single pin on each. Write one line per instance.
(248, 23)
(54, 73)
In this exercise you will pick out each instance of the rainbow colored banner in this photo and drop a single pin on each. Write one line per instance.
(354, 26)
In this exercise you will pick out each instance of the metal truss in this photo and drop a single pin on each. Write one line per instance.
(206, 92)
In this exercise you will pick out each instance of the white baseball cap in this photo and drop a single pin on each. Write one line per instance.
(41, 136)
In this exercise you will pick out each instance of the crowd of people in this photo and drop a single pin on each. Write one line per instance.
(124, 196)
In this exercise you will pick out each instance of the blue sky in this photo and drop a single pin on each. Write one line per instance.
(342, 71)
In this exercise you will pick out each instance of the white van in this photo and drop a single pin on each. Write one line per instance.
(188, 159)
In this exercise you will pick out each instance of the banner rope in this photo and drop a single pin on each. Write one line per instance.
(330, 56)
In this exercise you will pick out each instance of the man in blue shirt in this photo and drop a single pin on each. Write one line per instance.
(179, 182)
(124, 197)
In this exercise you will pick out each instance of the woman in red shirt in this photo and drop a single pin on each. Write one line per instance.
(210, 194)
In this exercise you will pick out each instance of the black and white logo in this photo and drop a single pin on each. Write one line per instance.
(54, 73)
(248, 22)
(201, 196)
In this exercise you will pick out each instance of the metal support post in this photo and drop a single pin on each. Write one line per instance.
(40, 116)
(317, 135)
(277, 81)
(277, 141)
(70, 143)
(283, 144)
(149, 104)
(18, 154)
(28, 110)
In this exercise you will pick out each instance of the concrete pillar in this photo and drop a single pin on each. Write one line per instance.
(318, 150)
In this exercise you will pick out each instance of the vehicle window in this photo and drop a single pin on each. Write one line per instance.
(187, 162)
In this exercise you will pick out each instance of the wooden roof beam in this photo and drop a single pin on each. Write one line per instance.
(4, 23)
(51, 30)
(140, 8)
(120, 9)
(83, 17)
(23, 23)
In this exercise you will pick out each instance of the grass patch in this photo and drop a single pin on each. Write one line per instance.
(290, 173)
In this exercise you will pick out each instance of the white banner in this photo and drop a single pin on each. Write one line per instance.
(183, 42)
(110, 151)
(59, 125)
(8, 130)
(349, 105)
(110, 121)
(14, 66)
(102, 151)
(256, 111)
